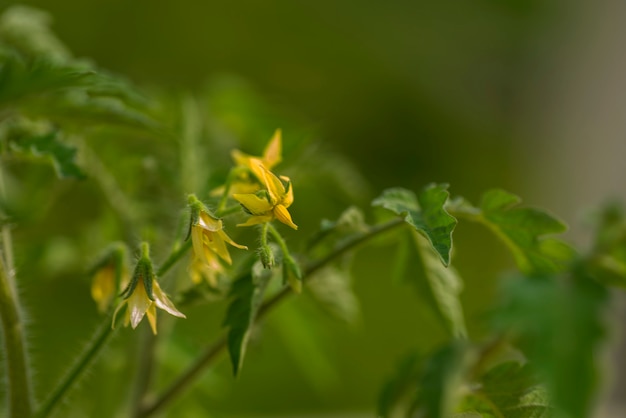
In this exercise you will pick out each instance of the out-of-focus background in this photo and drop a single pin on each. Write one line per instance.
(528, 95)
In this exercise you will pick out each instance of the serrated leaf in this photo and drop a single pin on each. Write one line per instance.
(49, 145)
(607, 262)
(425, 213)
(510, 390)
(524, 230)
(560, 327)
(440, 286)
(247, 295)
(440, 383)
(401, 386)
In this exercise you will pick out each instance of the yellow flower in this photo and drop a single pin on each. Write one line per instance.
(110, 276)
(139, 304)
(143, 295)
(103, 287)
(265, 205)
(244, 181)
(209, 242)
(271, 154)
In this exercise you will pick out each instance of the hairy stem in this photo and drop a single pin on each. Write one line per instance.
(216, 348)
(98, 342)
(20, 401)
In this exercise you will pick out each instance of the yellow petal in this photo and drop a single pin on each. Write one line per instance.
(103, 287)
(138, 304)
(283, 215)
(208, 222)
(253, 203)
(163, 302)
(197, 241)
(273, 184)
(287, 199)
(240, 158)
(151, 314)
(217, 245)
(255, 220)
(271, 154)
(226, 238)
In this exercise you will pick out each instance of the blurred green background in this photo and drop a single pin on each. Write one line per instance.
(516, 94)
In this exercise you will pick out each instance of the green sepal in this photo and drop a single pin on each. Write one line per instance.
(426, 213)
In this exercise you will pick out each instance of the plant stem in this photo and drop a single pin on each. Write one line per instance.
(20, 401)
(98, 342)
(215, 349)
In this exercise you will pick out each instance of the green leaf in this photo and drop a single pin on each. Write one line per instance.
(49, 145)
(510, 390)
(425, 213)
(247, 295)
(607, 262)
(440, 383)
(331, 288)
(559, 323)
(524, 230)
(401, 386)
(440, 286)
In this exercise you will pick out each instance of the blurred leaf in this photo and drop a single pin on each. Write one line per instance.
(21, 79)
(302, 336)
(523, 230)
(351, 221)
(401, 386)
(425, 213)
(509, 390)
(440, 286)
(607, 262)
(247, 295)
(560, 327)
(28, 30)
(49, 145)
(81, 109)
(331, 288)
(439, 386)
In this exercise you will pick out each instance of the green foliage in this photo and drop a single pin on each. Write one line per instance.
(510, 390)
(559, 324)
(438, 285)
(247, 295)
(522, 229)
(401, 386)
(49, 145)
(85, 121)
(425, 213)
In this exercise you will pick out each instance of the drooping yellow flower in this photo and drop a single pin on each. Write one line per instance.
(103, 287)
(110, 275)
(139, 304)
(208, 235)
(143, 295)
(269, 203)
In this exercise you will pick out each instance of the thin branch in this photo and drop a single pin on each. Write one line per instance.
(215, 349)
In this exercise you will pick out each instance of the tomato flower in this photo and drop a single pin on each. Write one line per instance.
(269, 203)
